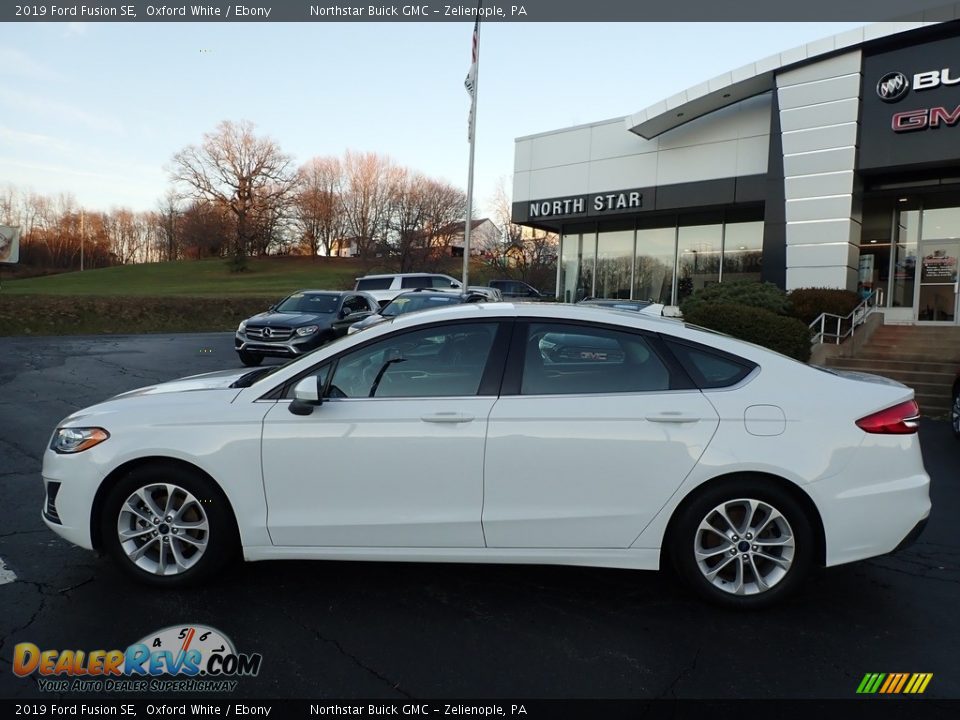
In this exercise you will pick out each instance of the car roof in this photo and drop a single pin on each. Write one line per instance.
(402, 275)
(320, 292)
(430, 292)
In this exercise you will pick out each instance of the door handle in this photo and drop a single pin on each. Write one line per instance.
(673, 418)
(447, 417)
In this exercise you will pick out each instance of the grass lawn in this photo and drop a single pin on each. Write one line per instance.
(183, 296)
(265, 276)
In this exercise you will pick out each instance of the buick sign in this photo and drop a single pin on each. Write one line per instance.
(893, 86)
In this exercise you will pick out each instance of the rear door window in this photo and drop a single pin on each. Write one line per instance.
(710, 368)
(373, 283)
(563, 359)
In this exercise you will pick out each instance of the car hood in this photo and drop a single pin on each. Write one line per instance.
(276, 319)
(219, 380)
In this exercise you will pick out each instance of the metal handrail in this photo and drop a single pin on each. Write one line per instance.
(856, 317)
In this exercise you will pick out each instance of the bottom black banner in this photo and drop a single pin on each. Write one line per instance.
(874, 708)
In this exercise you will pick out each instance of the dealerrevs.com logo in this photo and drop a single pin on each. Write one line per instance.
(180, 658)
(893, 86)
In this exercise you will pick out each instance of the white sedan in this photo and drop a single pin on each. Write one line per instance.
(502, 433)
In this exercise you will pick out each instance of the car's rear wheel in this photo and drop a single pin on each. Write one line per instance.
(249, 359)
(167, 525)
(743, 544)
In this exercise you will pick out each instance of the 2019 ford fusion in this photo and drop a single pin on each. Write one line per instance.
(502, 433)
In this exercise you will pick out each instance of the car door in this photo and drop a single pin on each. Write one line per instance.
(393, 457)
(596, 428)
(354, 309)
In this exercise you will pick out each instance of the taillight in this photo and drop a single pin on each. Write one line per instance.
(902, 419)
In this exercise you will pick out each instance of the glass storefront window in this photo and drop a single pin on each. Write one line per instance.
(742, 251)
(614, 258)
(661, 264)
(577, 256)
(698, 258)
(653, 267)
(941, 224)
(905, 260)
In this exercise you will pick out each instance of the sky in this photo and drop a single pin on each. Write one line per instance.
(97, 110)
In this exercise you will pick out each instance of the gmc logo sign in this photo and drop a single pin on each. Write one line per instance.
(924, 118)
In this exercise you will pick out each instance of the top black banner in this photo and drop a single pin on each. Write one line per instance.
(516, 11)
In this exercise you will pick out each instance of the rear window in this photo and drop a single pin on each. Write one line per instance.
(374, 283)
(708, 367)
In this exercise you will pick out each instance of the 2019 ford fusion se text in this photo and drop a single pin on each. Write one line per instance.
(502, 433)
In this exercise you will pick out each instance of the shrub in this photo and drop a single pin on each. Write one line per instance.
(783, 334)
(739, 292)
(808, 303)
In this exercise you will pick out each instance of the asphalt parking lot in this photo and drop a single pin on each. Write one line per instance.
(364, 630)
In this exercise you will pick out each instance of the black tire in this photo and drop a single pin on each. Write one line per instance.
(248, 359)
(684, 538)
(221, 539)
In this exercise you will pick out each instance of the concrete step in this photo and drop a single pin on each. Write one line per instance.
(934, 406)
(907, 344)
(918, 355)
(939, 378)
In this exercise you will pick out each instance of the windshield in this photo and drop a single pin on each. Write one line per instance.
(412, 303)
(309, 303)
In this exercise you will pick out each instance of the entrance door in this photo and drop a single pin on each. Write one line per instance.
(937, 292)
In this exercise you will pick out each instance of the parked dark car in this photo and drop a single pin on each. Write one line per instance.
(415, 301)
(299, 323)
(955, 408)
(517, 290)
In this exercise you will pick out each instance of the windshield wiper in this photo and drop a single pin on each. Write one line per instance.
(251, 377)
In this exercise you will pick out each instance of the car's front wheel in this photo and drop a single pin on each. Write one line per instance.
(167, 525)
(743, 544)
(249, 359)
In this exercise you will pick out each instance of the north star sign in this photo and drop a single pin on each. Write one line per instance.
(597, 204)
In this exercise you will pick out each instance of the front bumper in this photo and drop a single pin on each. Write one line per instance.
(71, 483)
(292, 347)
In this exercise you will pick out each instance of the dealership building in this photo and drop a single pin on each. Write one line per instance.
(834, 164)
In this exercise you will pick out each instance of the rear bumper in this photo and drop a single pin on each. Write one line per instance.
(912, 536)
(870, 518)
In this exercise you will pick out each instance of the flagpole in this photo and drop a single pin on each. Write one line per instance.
(473, 141)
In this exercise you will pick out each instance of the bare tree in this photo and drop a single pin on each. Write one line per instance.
(365, 194)
(520, 252)
(318, 206)
(167, 215)
(250, 175)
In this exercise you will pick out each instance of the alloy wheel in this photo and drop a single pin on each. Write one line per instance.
(163, 529)
(744, 546)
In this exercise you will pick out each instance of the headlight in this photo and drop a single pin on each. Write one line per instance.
(242, 327)
(74, 440)
(308, 330)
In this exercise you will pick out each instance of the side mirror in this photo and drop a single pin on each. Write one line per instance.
(306, 396)
(344, 312)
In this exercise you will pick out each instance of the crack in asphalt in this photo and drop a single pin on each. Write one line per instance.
(353, 658)
(33, 618)
(922, 576)
(22, 532)
(684, 671)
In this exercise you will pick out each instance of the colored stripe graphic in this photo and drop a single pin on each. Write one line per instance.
(894, 683)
